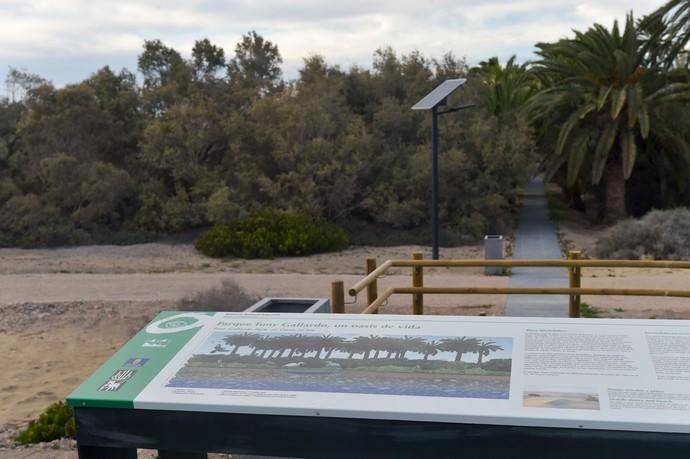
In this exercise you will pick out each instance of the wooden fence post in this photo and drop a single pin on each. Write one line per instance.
(337, 297)
(372, 288)
(575, 282)
(418, 281)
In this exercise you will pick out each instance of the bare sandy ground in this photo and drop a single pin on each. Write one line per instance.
(166, 258)
(50, 288)
(56, 347)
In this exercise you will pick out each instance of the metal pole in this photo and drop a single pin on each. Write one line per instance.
(434, 182)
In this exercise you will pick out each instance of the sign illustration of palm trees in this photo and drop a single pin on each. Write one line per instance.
(238, 341)
(460, 346)
(483, 349)
(428, 348)
(360, 347)
(409, 344)
(328, 344)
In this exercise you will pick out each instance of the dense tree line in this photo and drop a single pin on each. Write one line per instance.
(214, 137)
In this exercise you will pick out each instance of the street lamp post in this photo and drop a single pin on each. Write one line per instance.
(434, 184)
(436, 98)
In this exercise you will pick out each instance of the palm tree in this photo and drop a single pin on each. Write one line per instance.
(389, 345)
(328, 344)
(274, 346)
(359, 345)
(606, 97)
(508, 87)
(258, 345)
(429, 348)
(410, 344)
(365, 345)
(308, 344)
(485, 348)
(299, 344)
(238, 341)
(670, 26)
(460, 346)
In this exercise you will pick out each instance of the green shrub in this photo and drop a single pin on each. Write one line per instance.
(661, 235)
(588, 312)
(217, 241)
(271, 233)
(56, 422)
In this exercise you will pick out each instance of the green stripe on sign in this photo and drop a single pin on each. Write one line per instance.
(118, 381)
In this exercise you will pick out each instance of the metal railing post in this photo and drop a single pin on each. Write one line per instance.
(418, 281)
(574, 277)
(372, 288)
(337, 297)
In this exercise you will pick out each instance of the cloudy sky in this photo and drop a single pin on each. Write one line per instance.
(66, 40)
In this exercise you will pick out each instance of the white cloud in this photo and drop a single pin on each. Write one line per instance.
(345, 32)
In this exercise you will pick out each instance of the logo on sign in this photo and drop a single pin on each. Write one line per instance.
(178, 323)
(117, 380)
(136, 362)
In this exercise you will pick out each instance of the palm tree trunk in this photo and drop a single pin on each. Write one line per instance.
(458, 356)
(615, 190)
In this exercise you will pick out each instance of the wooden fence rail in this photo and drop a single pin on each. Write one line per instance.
(573, 264)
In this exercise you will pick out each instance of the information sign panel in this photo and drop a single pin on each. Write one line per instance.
(574, 373)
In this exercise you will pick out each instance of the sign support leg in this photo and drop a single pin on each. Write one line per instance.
(102, 452)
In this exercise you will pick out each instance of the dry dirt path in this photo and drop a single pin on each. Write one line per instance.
(58, 288)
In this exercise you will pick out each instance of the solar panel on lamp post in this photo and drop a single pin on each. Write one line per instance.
(436, 98)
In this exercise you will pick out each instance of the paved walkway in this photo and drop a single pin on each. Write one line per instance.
(536, 238)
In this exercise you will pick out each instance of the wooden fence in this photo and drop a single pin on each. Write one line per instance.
(573, 264)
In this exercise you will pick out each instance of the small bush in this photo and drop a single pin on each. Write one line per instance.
(588, 312)
(56, 422)
(229, 297)
(661, 235)
(270, 233)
